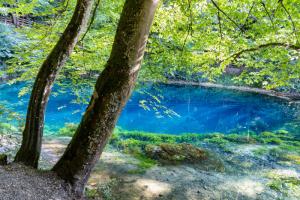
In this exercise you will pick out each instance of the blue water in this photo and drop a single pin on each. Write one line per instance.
(171, 109)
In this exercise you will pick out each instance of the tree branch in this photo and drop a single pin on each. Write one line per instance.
(190, 25)
(267, 12)
(291, 19)
(262, 46)
(230, 19)
(244, 26)
(220, 25)
(92, 20)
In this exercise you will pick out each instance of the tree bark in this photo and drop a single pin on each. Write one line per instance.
(111, 93)
(32, 135)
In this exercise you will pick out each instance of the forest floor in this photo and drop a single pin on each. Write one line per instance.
(117, 176)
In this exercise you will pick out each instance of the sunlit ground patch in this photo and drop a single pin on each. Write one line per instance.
(153, 188)
(245, 187)
(285, 181)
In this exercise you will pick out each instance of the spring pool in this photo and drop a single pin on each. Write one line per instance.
(172, 109)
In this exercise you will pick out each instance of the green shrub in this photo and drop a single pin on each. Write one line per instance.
(240, 139)
(68, 130)
(267, 134)
(217, 139)
(275, 141)
(282, 132)
(261, 151)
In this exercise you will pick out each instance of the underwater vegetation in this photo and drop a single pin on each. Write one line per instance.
(280, 149)
(281, 144)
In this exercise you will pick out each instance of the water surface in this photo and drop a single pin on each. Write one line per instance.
(172, 109)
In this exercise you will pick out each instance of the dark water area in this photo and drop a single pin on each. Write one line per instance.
(172, 109)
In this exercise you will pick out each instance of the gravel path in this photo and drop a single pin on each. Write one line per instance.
(18, 182)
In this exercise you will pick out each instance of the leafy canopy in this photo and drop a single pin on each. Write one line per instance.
(189, 40)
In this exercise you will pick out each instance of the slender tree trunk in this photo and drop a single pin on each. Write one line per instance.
(32, 135)
(111, 93)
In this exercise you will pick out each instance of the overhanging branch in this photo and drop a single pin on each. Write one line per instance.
(262, 46)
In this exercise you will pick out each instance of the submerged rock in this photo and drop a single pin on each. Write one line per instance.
(175, 153)
(3, 159)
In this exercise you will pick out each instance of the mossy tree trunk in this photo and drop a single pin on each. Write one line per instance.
(111, 93)
(32, 135)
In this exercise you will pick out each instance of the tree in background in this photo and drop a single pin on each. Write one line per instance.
(29, 152)
(7, 42)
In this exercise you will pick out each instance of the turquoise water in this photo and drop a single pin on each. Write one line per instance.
(172, 109)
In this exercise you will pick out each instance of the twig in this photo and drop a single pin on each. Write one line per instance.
(220, 31)
(236, 24)
(246, 20)
(267, 12)
(220, 25)
(190, 25)
(291, 19)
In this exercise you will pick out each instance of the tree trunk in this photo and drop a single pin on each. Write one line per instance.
(111, 93)
(32, 135)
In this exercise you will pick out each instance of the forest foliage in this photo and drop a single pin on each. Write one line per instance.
(189, 40)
